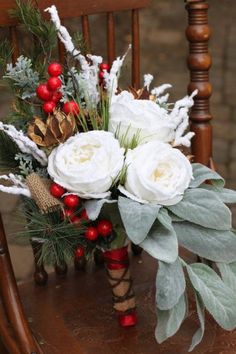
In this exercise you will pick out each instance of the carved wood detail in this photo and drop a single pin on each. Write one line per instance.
(199, 63)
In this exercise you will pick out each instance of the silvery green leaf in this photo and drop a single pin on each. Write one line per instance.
(169, 321)
(197, 338)
(137, 218)
(202, 173)
(170, 284)
(228, 274)
(218, 298)
(93, 207)
(161, 242)
(227, 196)
(217, 246)
(203, 207)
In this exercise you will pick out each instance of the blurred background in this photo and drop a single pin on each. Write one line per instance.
(164, 50)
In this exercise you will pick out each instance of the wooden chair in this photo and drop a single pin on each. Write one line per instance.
(73, 314)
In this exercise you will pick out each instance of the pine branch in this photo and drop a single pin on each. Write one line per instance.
(43, 31)
(58, 237)
(21, 114)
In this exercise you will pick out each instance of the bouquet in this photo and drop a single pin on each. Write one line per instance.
(98, 167)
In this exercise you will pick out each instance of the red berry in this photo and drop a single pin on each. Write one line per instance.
(104, 66)
(101, 75)
(104, 228)
(56, 96)
(84, 215)
(54, 69)
(49, 106)
(91, 233)
(43, 92)
(54, 83)
(71, 107)
(79, 252)
(71, 200)
(67, 214)
(56, 190)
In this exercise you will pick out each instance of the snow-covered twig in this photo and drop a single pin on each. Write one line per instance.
(148, 78)
(18, 187)
(25, 144)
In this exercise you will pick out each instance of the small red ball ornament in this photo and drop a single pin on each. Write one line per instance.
(128, 320)
(84, 215)
(43, 92)
(49, 106)
(71, 200)
(104, 228)
(56, 96)
(56, 190)
(55, 69)
(79, 252)
(104, 66)
(91, 233)
(71, 107)
(54, 83)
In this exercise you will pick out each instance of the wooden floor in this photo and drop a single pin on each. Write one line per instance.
(73, 315)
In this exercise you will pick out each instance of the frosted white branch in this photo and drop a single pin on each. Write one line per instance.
(89, 72)
(25, 144)
(148, 78)
(157, 91)
(163, 99)
(111, 79)
(18, 187)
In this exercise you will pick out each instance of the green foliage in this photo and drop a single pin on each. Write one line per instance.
(22, 78)
(58, 237)
(43, 31)
(8, 150)
(21, 114)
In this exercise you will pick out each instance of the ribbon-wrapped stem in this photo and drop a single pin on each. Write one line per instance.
(117, 264)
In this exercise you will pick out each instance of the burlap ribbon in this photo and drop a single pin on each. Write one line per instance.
(39, 188)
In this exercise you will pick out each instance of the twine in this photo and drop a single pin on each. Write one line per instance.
(122, 289)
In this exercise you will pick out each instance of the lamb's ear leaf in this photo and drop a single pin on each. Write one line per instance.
(170, 284)
(218, 298)
(227, 196)
(169, 321)
(228, 274)
(215, 245)
(204, 208)
(161, 242)
(137, 218)
(198, 335)
(202, 173)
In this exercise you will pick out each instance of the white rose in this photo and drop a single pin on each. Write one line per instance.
(156, 173)
(129, 117)
(87, 163)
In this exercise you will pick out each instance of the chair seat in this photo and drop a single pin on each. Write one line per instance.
(73, 315)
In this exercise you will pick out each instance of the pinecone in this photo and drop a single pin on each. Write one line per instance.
(57, 129)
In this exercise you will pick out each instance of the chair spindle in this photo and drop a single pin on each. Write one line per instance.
(199, 63)
(14, 43)
(111, 50)
(135, 49)
(86, 32)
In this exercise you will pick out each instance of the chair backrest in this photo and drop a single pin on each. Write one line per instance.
(84, 8)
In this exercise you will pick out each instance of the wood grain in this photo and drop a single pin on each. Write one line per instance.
(71, 8)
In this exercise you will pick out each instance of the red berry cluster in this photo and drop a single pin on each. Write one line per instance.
(103, 228)
(103, 67)
(49, 92)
